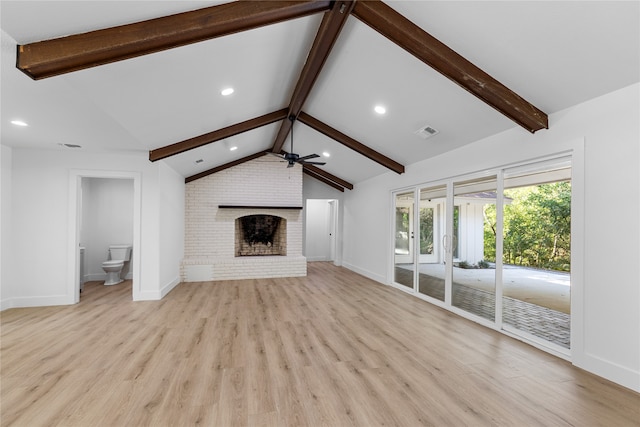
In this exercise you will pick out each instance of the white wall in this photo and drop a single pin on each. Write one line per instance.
(607, 334)
(107, 220)
(471, 233)
(171, 227)
(40, 222)
(6, 255)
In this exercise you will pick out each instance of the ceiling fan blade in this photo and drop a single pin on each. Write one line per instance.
(312, 163)
(310, 156)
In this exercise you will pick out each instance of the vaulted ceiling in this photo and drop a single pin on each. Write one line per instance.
(467, 69)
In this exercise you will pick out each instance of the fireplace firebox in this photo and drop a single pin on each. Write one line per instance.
(260, 235)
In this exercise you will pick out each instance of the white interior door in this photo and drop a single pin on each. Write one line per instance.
(320, 230)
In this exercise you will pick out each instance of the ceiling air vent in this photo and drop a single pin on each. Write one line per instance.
(426, 131)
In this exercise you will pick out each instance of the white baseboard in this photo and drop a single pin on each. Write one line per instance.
(366, 273)
(6, 304)
(622, 375)
(101, 277)
(159, 294)
(169, 287)
(148, 296)
(34, 302)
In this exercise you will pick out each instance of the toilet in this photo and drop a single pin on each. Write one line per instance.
(118, 255)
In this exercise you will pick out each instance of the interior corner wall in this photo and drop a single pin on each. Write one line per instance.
(609, 126)
(171, 232)
(41, 214)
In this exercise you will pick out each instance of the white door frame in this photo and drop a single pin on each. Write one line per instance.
(75, 213)
(333, 231)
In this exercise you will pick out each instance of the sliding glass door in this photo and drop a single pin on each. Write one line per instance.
(473, 277)
(495, 246)
(537, 251)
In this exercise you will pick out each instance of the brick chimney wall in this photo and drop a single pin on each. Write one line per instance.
(210, 230)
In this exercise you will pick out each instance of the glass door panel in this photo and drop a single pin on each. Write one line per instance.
(431, 224)
(404, 267)
(473, 246)
(537, 252)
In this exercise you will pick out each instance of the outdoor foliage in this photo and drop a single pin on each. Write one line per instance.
(426, 231)
(537, 227)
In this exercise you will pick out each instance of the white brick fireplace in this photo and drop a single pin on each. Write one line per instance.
(213, 204)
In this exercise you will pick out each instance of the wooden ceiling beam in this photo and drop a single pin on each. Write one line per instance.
(316, 170)
(225, 166)
(208, 138)
(323, 179)
(80, 51)
(332, 23)
(441, 58)
(347, 141)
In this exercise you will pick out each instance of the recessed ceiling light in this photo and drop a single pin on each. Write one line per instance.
(226, 91)
(234, 148)
(19, 123)
(380, 109)
(326, 154)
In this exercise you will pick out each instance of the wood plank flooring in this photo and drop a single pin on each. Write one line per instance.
(331, 349)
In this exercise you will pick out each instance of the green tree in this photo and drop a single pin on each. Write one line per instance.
(537, 227)
(426, 230)
(489, 213)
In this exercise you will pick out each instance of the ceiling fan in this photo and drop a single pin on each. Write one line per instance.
(293, 158)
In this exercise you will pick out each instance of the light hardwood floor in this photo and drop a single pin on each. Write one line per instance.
(331, 349)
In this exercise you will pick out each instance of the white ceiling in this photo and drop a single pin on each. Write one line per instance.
(555, 54)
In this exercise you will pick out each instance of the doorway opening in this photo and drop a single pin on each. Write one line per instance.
(321, 228)
(103, 206)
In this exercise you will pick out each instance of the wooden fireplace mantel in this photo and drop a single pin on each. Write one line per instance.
(257, 207)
